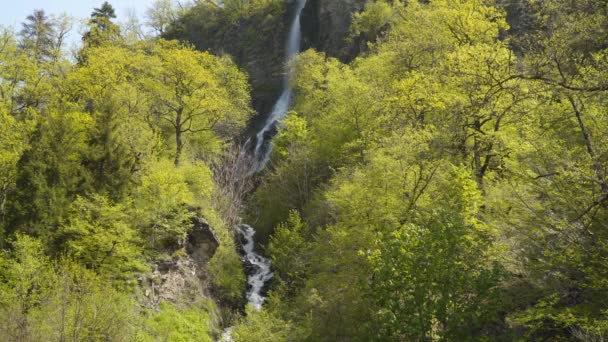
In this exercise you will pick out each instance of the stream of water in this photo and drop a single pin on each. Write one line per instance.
(263, 149)
(259, 267)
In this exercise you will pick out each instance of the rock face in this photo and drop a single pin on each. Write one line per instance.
(171, 280)
(326, 25)
(202, 242)
(184, 274)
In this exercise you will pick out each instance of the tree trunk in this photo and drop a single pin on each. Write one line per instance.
(179, 144)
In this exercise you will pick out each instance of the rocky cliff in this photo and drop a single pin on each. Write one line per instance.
(326, 25)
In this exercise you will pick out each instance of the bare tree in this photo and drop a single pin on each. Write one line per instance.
(233, 174)
(161, 15)
(63, 25)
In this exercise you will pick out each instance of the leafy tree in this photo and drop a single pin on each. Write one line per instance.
(160, 15)
(26, 279)
(13, 143)
(121, 139)
(197, 98)
(435, 279)
(289, 250)
(101, 237)
(226, 274)
(261, 325)
(163, 199)
(375, 17)
(173, 324)
(50, 174)
(42, 300)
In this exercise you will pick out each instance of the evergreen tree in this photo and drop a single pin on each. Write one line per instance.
(38, 37)
(102, 30)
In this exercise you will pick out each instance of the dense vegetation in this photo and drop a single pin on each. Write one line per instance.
(450, 183)
(106, 166)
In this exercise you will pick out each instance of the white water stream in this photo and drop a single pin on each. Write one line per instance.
(262, 273)
(261, 266)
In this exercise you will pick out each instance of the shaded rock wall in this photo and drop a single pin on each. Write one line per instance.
(326, 25)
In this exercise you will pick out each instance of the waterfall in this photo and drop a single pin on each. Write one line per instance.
(260, 272)
(280, 108)
(261, 266)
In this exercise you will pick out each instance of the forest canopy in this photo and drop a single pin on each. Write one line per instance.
(444, 177)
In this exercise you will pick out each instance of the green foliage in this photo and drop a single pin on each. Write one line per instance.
(102, 30)
(227, 276)
(289, 249)
(88, 160)
(449, 184)
(160, 201)
(196, 94)
(99, 236)
(261, 326)
(252, 32)
(173, 324)
(435, 278)
(452, 188)
(38, 36)
(373, 19)
(50, 174)
(13, 143)
(161, 14)
(44, 301)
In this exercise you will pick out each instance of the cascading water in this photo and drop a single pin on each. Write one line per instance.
(261, 272)
(261, 266)
(256, 280)
(280, 108)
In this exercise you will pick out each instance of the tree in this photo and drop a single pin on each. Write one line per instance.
(24, 286)
(375, 18)
(290, 251)
(102, 29)
(101, 236)
(435, 278)
(121, 138)
(163, 197)
(13, 143)
(38, 37)
(50, 174)
(173, 323)
(160, 15)
(201, 98)
(42, 299)
(261, 325)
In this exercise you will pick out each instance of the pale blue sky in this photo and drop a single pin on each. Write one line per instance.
(13, 12)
